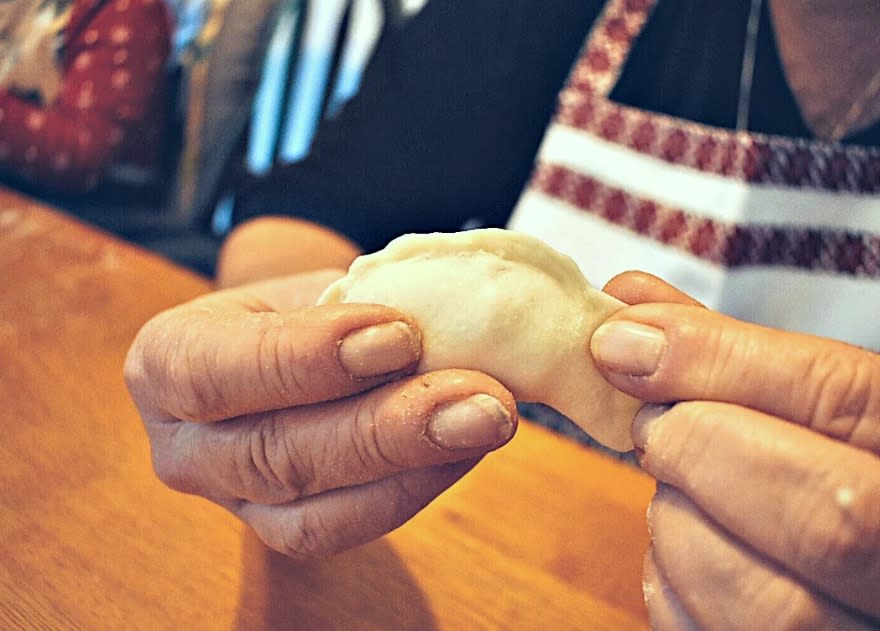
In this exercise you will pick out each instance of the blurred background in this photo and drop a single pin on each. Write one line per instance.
(247, 84)
(371, 117)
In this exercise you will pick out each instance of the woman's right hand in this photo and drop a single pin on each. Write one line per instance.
(307, 422)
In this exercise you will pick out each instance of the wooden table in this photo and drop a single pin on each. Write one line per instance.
(544, 534)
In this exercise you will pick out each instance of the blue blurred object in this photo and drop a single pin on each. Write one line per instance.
(268, 102)
(314, 64)
(189, 17)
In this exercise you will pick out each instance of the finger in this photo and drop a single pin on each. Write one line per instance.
(638, 287)
(808, 502)
(725, 585)
(664, 609)
(226, 355)
(282, 456)
(326, 524)
(673, 352)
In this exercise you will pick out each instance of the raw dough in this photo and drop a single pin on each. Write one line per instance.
(506, 304)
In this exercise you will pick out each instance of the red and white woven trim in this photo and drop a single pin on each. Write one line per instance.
(723, 243)
(744, 156)
(608, 45)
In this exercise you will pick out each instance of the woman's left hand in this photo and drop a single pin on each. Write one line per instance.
(767, 513)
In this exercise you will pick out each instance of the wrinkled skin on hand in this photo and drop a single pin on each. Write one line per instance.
(767, 513)
(306, 422)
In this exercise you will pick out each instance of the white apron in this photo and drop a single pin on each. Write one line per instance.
(770, 229)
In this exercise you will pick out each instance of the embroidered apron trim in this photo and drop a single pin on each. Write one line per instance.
(746, 156)
(724, 243)
(737, 155)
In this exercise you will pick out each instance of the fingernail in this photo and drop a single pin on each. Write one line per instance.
(628, 347)
(645, 421)
(379, 349)
(478, 421)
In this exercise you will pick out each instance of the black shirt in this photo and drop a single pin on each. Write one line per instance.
(454, 104)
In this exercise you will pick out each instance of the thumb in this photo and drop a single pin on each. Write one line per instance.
(222, 356)
(669, 353)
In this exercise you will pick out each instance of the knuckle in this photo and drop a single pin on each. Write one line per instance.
(170, 472)
(793, 609)
(268, 467)
(721, 352)
(839, 535)
(781, 603)
(854, 544)
(193, 374)
(306, 536)
(145, 362)
(368, 443)
(310, 533)
(133, 367)
(406, 497)
(176, 364)
(845, 393)
(278, 369)
(726, 347)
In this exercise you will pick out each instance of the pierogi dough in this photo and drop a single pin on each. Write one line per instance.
(506, 304)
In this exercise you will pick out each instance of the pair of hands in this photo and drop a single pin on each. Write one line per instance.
(308, 424)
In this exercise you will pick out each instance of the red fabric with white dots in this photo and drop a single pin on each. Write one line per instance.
(110, 105)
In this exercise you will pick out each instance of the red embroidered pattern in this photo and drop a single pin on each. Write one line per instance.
(734, 154)
(741, 155)
(723, 243)
(608, 45)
